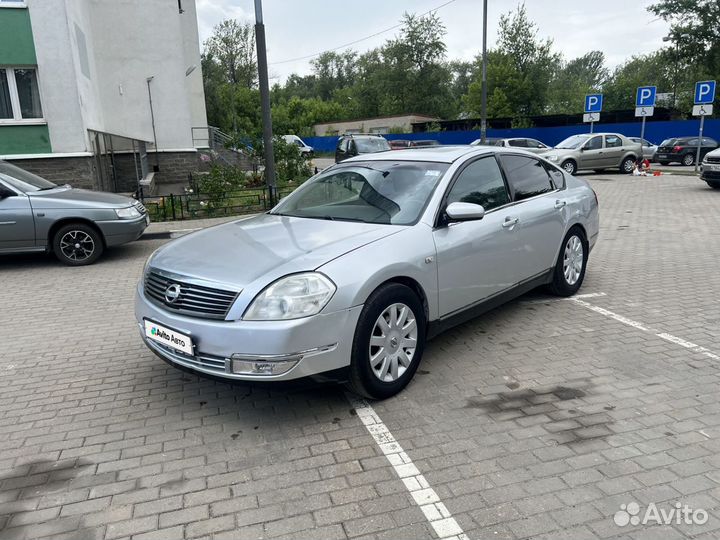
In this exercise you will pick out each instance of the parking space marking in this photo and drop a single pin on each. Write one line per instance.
(424, 496)
(643, 327)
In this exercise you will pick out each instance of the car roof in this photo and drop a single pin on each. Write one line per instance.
(438, 154)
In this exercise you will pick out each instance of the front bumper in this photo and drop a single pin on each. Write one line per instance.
(122, 231)
(710, 172)
(322, 342)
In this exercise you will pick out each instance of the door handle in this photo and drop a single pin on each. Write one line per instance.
(510, 222)
(560, 204)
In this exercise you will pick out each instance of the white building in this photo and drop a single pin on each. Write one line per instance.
(77, 79)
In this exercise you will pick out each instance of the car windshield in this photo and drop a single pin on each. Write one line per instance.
(573, 142)
(372, 144)
(21, 179)
(390, 192)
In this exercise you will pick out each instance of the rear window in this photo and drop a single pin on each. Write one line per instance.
(668, 142)
(371, 144)
(527, 176)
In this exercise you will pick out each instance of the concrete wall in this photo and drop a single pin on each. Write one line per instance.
(76, 171)
(371, 125)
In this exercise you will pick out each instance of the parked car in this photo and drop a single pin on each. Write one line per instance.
(683, 150)
(399, 144)
(357, 144)
(347, 276)
(74, 224)
(598, 151)
(648, 148)
(304, 148)
(531, 145)
(710, 169)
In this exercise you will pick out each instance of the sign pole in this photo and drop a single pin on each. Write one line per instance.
(642, 130)
(697, 155)
(591, 126)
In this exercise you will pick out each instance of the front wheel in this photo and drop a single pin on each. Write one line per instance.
(627, 165)
(569, 166)
(688, 159)
(389, 342)
(570, 267)
(77, 244)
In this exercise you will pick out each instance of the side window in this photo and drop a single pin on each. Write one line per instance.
(692, 142)
(708, 142)
(521, 143)
(612, 141)
(594, 144)
(342, 145)
(557, 177)
(481, 183)
(527, 176)
(532, 143)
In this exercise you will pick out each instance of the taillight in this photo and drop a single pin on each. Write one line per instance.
(677, 148)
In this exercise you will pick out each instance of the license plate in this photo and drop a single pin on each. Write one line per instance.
(712, 167)
(662, 156)
(170, 338)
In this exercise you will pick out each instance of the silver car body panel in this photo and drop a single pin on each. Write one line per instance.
(454, 267)
(601, 158)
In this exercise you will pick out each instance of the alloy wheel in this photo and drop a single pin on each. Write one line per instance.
(573, 260)
(393, 342)
(77, 245)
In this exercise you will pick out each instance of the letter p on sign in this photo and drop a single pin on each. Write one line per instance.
(704, 92)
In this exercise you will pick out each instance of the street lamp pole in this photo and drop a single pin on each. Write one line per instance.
(265, 102)
(483, 105)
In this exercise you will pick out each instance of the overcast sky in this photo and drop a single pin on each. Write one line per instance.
(619, 28)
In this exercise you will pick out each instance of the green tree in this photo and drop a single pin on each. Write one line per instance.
(573, 80)
(232, 46)
(651, 69)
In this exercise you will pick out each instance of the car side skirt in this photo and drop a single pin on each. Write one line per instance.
(475, 310)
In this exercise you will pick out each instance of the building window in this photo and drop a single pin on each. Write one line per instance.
(19, 94)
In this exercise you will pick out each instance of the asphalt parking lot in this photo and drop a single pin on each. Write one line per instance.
(540, 419)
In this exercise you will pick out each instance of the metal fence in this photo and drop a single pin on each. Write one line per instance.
(194, 205)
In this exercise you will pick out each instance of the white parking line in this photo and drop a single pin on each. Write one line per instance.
(643, 327)
(425, 497)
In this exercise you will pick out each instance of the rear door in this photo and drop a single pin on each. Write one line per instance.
(613, 151)
(540, 208)
(17, 226)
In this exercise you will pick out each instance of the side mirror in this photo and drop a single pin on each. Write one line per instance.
(463, 211)
(582, 148)
(5, 193)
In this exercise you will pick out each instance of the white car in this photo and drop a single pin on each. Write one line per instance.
(648, 148)
(305, 149)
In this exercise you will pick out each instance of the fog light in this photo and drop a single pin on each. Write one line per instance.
(247, 366)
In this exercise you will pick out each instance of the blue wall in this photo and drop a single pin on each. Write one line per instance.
(654, 132)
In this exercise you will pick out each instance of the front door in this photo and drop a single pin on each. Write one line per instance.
(17, 227)
(591, 156)
(613, 151)
(477, 259)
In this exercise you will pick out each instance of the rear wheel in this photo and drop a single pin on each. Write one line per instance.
(569, 166)
(77, 244)
(688, 159)
(570, 267)
(627, 165)
(389, 342)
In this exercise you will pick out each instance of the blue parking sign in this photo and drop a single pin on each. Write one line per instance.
(645, 96)
(593, 103)
(704, 92)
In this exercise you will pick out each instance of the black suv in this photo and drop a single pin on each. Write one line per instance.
(356, 144)
(683, 150)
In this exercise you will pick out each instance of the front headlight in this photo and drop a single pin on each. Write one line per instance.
(291, 297)
(128, 213)
(552, 157)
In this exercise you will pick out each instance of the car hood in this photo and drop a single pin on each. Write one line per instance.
(265, 246)
(65, 197)
(714, 153)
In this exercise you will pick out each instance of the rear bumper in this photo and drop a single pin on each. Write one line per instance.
(122, 231)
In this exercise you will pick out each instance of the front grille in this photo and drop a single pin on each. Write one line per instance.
(711, 175)
(712, 159)
(193, 300)
(201, 360)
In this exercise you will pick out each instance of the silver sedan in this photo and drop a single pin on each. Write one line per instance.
(74, 224)
(349, 275)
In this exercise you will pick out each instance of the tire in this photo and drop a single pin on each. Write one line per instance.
(688, 159)
(77, 244)
(665, 163)
(627, 165)
(569, 166)
(390, 374)
(567, 284)
(714, 185)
